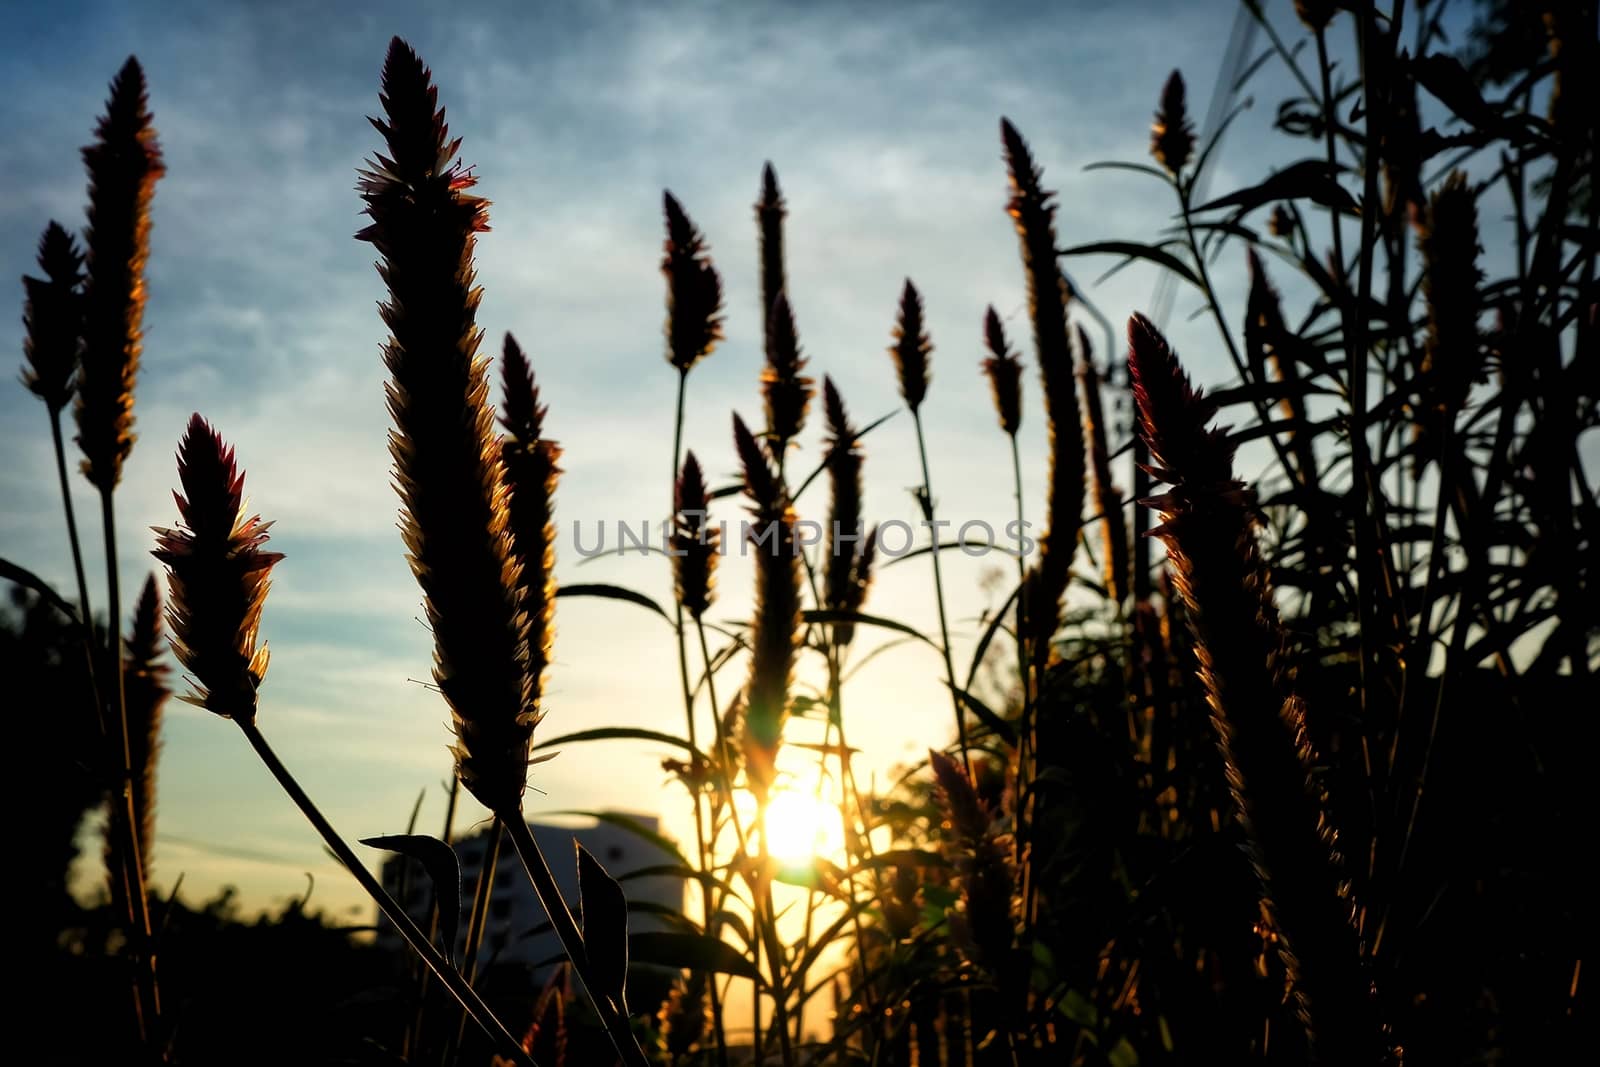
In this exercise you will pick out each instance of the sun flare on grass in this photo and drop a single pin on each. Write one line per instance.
(801, 826)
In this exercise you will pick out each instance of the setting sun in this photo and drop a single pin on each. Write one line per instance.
(802, 826)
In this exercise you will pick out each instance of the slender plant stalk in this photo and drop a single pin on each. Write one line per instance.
(702, 849)
(555, 907)
(133, 857)
(458, 986)
(477, 922)
(938, 593)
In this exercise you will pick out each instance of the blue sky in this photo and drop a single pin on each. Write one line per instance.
(882, 123)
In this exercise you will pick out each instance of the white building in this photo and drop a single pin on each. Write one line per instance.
(514, 908)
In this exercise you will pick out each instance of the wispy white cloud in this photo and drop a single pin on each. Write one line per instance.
(882, 122)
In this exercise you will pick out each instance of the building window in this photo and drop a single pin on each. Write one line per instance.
(500, 908)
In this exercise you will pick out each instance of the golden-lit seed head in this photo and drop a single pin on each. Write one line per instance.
(447, 462)
(531, 465)
(1171, 135)
(217, 577)
(776, 630)
(786, 391)
(1004, 371)
(124, 164)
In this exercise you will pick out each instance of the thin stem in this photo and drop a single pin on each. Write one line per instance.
(767, 923)
(555, 907)
(938, 592)
(477, 922)
(72, 527)
(413, 1037)
(139, 902)
(1026, 743)
(1215, 307)
(508, 1046)
(1329, 123)
(688, 713)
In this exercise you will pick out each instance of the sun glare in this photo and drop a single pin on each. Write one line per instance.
(801, 826)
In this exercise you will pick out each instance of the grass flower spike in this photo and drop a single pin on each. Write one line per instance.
(52, 319)
(531, 473)
(217, 578)
(1217, 570)
(446, 460)
(124, 164)
(694, 541)
(694, 290)
(775, 634)
(1171, 135)
(911, 348)
(1004, 371)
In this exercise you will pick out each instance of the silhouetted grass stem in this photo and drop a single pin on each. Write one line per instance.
(506, 1044)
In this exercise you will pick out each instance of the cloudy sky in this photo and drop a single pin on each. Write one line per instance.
(882, 122)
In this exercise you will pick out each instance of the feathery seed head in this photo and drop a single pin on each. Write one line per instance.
(1005, 374)
(694, 290)
(1171, 135)
(124, 164)
(694, 540)
(847, 571)
(217, 577)
(530, 463)
(1033, 212)
(1316, 14)
(1107, 497)
(786, 391)
(144, 680)
(1173, 415)
(911, 348)
(1281, 222)
(52, 319)
(770, 212)
(983, 866)
(1449, 246)
(1241, 656)
(776, 629)
(448, 465)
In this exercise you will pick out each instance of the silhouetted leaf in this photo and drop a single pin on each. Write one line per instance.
(815, 615)
(444, 870)
(24, 577)
(1448, 81)
(944, 545)
(1309, 179)
(1134, 250)
(1001, 728)
(612, 592)
(605, 929)
(694, 952)
(617, 733)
